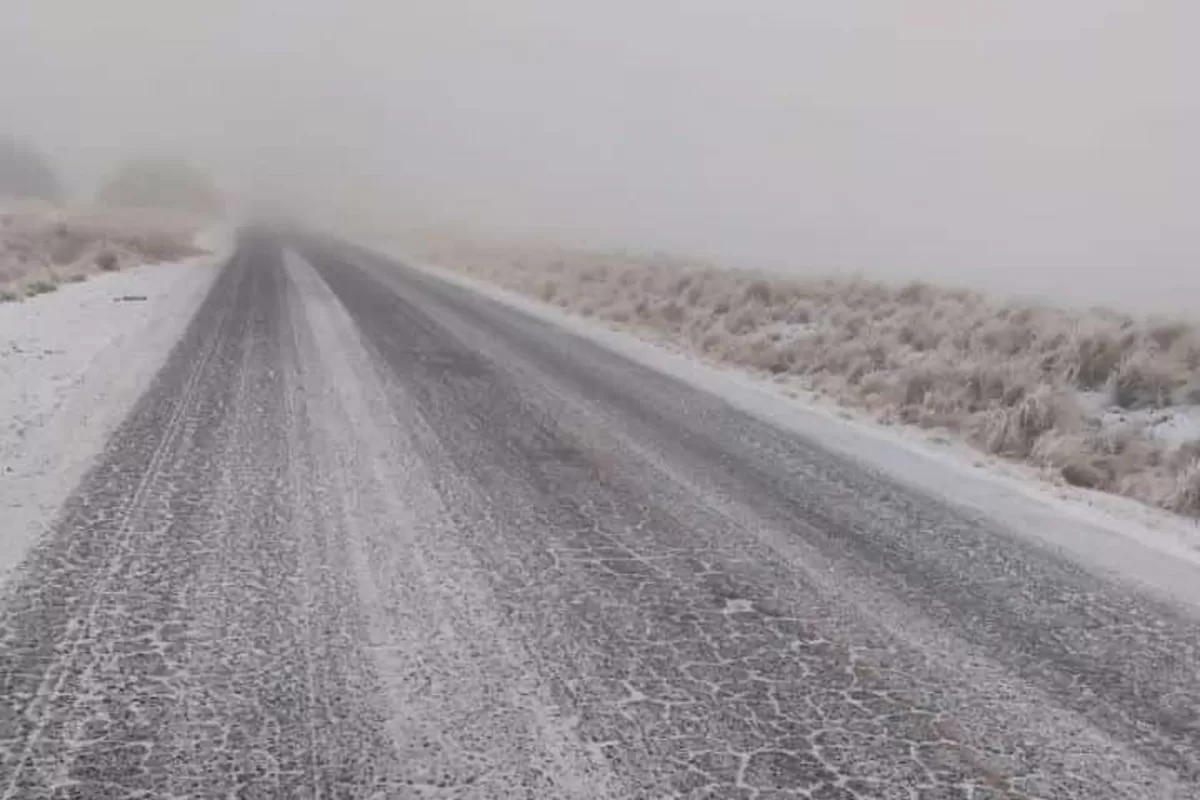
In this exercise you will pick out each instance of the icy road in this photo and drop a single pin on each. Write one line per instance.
(368, 534)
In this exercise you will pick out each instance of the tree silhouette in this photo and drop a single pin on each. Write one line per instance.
(161, 183)
(24, 171)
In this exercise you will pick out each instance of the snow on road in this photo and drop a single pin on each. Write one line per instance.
(72, 365)
(367, 533)
(1116, 536)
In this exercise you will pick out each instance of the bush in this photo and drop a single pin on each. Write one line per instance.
(1185, 497)
(107, 261)
(42, 286)
(1142, 381)
(1084, 473)
(66, 245)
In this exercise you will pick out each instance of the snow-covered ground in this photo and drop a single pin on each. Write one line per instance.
(1154, 548)
(72, 364)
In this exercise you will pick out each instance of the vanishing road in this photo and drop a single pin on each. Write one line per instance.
(369, 535)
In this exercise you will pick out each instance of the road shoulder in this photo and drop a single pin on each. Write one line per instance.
(1120, 539)
(72, 366)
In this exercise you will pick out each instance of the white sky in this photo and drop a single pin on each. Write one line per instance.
(1037, 146)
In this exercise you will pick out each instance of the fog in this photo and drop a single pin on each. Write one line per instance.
(1029, 146)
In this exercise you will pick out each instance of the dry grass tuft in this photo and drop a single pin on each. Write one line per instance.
(1184, 497)
(41, 286)
(107, 261)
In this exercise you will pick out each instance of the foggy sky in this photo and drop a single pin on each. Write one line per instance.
(1032, 146)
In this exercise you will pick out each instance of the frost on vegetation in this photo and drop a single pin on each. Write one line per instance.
(42, 286)
(1099, 398)
(42, 246)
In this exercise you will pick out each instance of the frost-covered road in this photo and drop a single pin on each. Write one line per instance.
(368, 534)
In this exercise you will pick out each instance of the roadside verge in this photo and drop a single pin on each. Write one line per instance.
(1117, 536)
(72, 365)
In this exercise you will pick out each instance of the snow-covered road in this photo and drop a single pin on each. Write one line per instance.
(369, 532)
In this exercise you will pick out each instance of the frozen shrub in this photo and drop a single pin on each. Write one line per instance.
(41, 286)
(757, 291)
(918, 335)
(1097, 357)
(1006, 338)
(767, 356)
(682, 284)
(65, 248)
(1142, 382)
(1014, 430)
(107, 261)
(671, 313)
(1166, 334)
(1132, 457)
(1183, 455)
(710, 341)
(800, 312)
(916, 293)
(916, 386)
(1084, 472)
(742, 321)
(855, 325)
(153, 247)
(1185, 494)
(986, 383)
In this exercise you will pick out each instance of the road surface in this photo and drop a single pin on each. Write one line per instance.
(369, 535)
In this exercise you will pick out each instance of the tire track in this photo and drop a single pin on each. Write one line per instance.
(466, 714)
(51, 568)
(55, 676)
(830, 631)
(170, 638)
(665, 646)
(367, 536)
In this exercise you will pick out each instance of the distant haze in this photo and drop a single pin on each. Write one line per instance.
(1046, 147)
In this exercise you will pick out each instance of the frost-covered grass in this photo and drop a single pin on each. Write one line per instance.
(1099, 398)
(42, 246)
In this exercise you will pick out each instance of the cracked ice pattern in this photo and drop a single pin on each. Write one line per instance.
(694, 662)
(168, 640)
